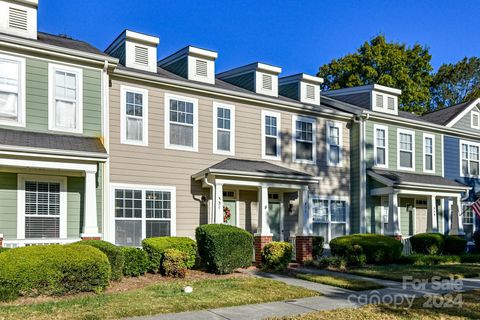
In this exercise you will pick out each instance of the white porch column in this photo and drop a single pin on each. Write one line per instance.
(432, 221)
(263, 229)
(90, 223)
(393, 215)
(304, 227)
(456, 228)
(218, 204)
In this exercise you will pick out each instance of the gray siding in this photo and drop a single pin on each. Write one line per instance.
(290, 90)
(244, 80)
(179, 67)
(465, 123)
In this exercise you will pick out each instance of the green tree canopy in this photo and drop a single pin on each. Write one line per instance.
(456, 83)
(386, 63)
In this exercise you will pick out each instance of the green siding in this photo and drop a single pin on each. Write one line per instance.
(37, 99)
(355, 178)
(406, 223)
(8, 207)
(75, 197)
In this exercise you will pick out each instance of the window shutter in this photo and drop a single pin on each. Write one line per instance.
(379, 102)
(141, 55)
(267, 82)
(17, 19)
(310, 92)
(391, 103)
(201, 68)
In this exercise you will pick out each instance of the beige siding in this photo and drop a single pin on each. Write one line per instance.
(155, 165)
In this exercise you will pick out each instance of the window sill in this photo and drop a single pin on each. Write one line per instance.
(12, 123)
(135, 143)
(277, 158)
(181, 148)
(300, 161)
(224, 153)
(79, 131)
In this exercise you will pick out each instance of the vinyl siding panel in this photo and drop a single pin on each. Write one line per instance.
(290, 90)
(8, 207)
(355, 178)
(465, 123)
(179, 67)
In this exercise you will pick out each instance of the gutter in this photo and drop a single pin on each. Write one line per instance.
(211, 209)
(76, 155)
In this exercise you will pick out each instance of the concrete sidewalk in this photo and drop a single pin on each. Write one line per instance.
(332, 298)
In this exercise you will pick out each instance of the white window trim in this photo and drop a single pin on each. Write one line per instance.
(21, 179)
(168, 97)
(385, 128)
(332, 124)
(473, 125)
(230, 107)
(431, 136)
(276, 115)
(329, 221)
(144, 188)
(469, 143)
(52, 68)
(412, 133)
(384, 109)
(21, 107)
(313, 121)
(123, 111)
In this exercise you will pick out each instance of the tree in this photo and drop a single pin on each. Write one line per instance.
(456, 83)
(386, 63)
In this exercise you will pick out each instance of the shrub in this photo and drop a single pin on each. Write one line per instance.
(277, 255)
(317, 247)
(136, 261)
(155, 248)
(378, 249)
(224, 248)
(428, 260)
(355, 256)
(454, 245)
(114, 254)
(174, 263)
(332, 262)
(476, 239)
(470, 258)
(52, 270)
(428, 243)
(3, 249)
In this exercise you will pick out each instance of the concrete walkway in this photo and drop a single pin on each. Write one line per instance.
(332, 298)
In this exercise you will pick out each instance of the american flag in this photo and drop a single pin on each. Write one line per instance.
(476, 207)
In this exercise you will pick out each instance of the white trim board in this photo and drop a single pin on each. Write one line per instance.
(465, 111)
(230, 107)
(123, 115)
(194, 101)
(278, 116)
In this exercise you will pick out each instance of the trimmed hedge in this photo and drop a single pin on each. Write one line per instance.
(4, 249)
(114, 254)
(155, 248)
(428, 243)
(317, 246)
(476, 239)
(454, 245)
(52, 270)
(378, 249)
(174, 263)
(136, 261)
(277, 255)
(428, 260)
(224, 248)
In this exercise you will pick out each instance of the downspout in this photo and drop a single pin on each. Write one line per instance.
(363, 171)
(211, 207)
(107, 220)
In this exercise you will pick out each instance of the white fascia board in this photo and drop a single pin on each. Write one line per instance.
(187, 51)
(203, 53)
(365, 88)
(256, 66)
(33, 3)
(268, 68)
(464, 112)
(385, 89)
(141, 37)
(300, 77)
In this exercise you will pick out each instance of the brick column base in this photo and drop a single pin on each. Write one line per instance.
(304, 245)
(91, 238)
(1, 240)
(260, 242)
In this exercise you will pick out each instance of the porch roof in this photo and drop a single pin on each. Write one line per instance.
(255, 169)
(48, 143)
(407, 179)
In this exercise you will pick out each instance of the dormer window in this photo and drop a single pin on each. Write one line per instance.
(310, 92)
(201, 69)
(17, 19)
(141, 55)
(391, 103)
(475, 120)
(266, 82)
(379, 101)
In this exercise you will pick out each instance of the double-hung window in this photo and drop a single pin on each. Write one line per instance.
(406, 150)
(12, 90)
(134, 117)
(224, 128)
(271, 142)
(428, 152)
(143, 212)
(65, 98)
(381, 146)
(470, 159)
(304, 139)
(181, 123)
(468, 217)
(334, 144)
(329, 217)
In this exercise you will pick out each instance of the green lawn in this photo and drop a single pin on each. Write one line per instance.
(396, 272)
(164, 297)
(341, 282)
(470, 309)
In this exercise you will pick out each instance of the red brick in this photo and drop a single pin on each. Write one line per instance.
(91, 238)
(303, 247)
(260, 242)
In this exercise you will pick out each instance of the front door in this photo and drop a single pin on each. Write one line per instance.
(230, 212)
(274, 220)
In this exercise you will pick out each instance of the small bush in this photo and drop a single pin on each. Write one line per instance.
(428, 243)
(3, 249)
(378, 249)
(454, 245)
(470, 258)
(136, 261)
(224, 248)
(317, 247)
(428, 260)
(114, 254)
(355, 256)
(52, 270)
(155, 248)
(476, 239)
(332, 262)
(174, 263)
(277, 255)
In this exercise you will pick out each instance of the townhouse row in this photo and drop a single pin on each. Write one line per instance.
(117, 145)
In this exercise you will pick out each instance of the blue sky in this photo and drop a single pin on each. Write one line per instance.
(298, 36)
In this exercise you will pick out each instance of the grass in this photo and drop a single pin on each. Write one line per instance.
(341, 282)
(396, 272)
(470, 309)
(160, 298)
